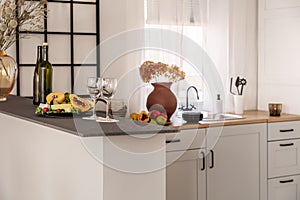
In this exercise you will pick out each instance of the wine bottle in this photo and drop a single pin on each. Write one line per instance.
(36, 76)
(45, 71)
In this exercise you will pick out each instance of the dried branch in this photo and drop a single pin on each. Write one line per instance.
(150, 70)
(28, 15)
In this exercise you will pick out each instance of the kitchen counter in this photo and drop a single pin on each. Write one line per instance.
(23, 108)
(250, 117)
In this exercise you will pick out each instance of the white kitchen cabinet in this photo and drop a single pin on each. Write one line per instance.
(186, 178)
(237, 163)
(284, 158)
(234, 168)
(284, 161)
(185, 173)
(284, 188)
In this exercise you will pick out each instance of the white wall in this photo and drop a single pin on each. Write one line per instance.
(117, 17)
(279, 46)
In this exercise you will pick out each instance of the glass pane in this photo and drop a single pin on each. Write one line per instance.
(59, 17)
(61, 79)
(28, 47)
(59, 49)
(80, 77)
(84, 18)
(85, 49)
(12, 51)
(26, 83)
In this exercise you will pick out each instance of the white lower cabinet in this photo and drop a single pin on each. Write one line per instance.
(286, 188)
(284, 161)
(186, 178)
(284, 158)
(234, 167)
(238, 170)
(186, 167)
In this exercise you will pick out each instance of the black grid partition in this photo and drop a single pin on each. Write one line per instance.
(65, 38)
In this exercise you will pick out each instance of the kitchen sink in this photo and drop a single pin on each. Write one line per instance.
(221, 117)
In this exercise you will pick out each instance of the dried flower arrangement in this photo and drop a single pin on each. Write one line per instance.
(150, 70)
(26, 14)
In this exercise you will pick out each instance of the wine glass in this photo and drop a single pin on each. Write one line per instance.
(108, 89)
(94, 87)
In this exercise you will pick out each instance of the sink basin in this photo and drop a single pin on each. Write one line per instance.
(222, 117)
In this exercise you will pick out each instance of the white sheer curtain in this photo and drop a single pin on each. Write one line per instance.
(177, 12)
(243, 47)
(232, 45)
(188, 19)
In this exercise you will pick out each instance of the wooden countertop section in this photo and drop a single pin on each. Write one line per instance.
(250, 117)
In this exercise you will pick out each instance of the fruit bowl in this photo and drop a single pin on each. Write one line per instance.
(192, 116)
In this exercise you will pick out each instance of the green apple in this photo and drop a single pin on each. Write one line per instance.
(161, 120)
(153, 121)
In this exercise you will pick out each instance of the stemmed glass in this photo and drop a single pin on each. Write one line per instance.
(93, 85)
(108, 89)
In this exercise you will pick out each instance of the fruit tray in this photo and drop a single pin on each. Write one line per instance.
(46, 112)
(63, 114)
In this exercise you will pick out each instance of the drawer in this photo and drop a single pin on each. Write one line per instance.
(185, 139)
(283, 130)
(283, 158)
(284, 188)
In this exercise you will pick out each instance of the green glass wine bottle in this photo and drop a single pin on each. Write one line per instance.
(39, 58)
(45, 72)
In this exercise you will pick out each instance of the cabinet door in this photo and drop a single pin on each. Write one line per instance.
(284, 158)
(186, 176)
(237, 163)
(286, 188)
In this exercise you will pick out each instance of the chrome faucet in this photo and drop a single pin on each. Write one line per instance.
(187, 108)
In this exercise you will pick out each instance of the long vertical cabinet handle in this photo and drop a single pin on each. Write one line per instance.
(212, 159)
(203, 163)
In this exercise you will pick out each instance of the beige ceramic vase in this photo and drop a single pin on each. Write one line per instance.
(8, 74)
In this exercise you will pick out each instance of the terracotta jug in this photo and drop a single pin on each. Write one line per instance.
(162, 99)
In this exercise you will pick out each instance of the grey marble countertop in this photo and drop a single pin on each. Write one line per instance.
(23, 108)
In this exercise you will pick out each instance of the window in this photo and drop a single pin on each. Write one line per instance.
(72, 29)
(193, 76)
